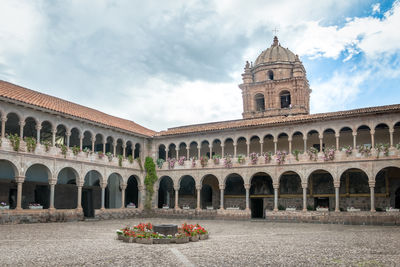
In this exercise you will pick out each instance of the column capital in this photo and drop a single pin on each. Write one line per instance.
(198, 187)
(304, 138)
(372, 131)
(354, 133)
(321, 136)
(304, 185)
(222, 145)
(371, 183)
(4, 118)
(176, 188)
(103, 185)
(21, 123)
(54, 130)
(93, 139)
(275, 185)
(391, 130)
(289, 139)
(337, 135)
(38, 127)
(336, 184)
(247, 186)
(261, 141)
(123, 186)
(19, 179)
(68, 133)
(221, 187)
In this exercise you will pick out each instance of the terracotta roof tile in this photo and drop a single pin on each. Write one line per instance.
(24, 95)
(275, 121)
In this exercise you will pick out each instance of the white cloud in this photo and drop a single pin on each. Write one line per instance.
(376, 8)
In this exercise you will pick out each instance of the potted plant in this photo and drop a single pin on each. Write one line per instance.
(15, 141)
(120, 159)
(280, 157)
(296, 154)
(130, 159)
(109, 156)
(76, 150)
(181, 238)
(203, 161)
(329, 154)
(194, 237)
(268, 157)
(30, 144)
(144, 238)
(348, 150)
(64, 150)
(228, 162)
(100, 154)
(35, 206)
(253, 158)
(171, 163)
(4, 206)
(181, 161)
(47, 145)
(241, 159)
(120, 235)
(313, 153)
(88, 151)
(160, 163)
(216, 159)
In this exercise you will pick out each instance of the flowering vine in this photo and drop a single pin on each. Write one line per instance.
(280, 157)
(253, 158)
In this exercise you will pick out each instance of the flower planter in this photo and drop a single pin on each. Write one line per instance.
(120, 237)
(4, 207)
(322, 209)
(353, 209)
(131, 207)
(392, 210)
(186, 208)
(210, 208)
(182, 240)
(145, 241)
(290, 209)
(194, 238)
(172, 240)
(165, 208)
(203, 237)
(35, 207)
(162, 241)
(125, 239)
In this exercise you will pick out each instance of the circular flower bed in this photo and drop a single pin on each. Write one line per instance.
(143, 234)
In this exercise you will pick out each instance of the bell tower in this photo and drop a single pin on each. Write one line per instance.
(276, 85)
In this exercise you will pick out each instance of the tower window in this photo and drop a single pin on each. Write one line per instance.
(260, 103)
(285, 99)
(270, 75)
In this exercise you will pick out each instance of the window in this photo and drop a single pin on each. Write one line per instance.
(260, 103)
(285, 99)
(270, 75)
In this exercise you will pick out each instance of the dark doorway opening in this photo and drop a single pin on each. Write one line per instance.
(397, 199)
(12, 198)
(257, 208)
(206, 196)
(42, 195)
(322, 202)
(87, 203)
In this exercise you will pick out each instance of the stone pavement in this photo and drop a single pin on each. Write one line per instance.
(232, 243)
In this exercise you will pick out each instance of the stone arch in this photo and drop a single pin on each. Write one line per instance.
(261, 194)
(354, 183)
(187, 191)
(162, 152)
(205, 148)
(382, 135)
(74, 139)
(283, 142)
(65, 189)
(132, 190)
(109, 144)
(166, 192)
(98, 144)
(12, 124)
(255, 144)
(328, 138)
(321, 189)
(345, 137)
(234, 191)
(8, 172)
(182, 150)
(30, 127)
(313, 139)
(35, 188)
(298, 141)
(210, 192)
(61, 134)
(113, 192)
(268, 143)
(46, 131)
(241, 146)
(270, 75)
(363, 135)
(217, 147)
(119, 147)
(228, 146)
(91, 192)
(193, 147)
(387, 187)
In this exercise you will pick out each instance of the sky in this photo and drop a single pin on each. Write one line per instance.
(170, 63)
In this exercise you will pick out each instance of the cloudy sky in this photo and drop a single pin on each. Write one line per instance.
(170, 63)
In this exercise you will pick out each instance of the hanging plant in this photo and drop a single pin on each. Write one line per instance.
(241, 159)
(88, 151)
(109, 156)
(100, 154)
(296, 154)
(139, 161)
(64, 150)
(120, 159)
(30, 144)
(267, 157)
(313, 153)
(171, 163)
(149, 180)
(348, 150)
(228, 162)
(216, 159)
(382, 148)
(130, 159)
(280, 157)
(203, 161)
(329, 154)
(253, 158)
(76, 150)
(15, 141)
(160, 163)
(181, 161)
(46, 144)
(364, 150)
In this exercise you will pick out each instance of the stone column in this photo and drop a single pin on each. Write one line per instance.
(53, 137)
(337, 136)
(304, 186)
(176, 197)
(68, 135)
(354, 140)
(103, 195)
(94, 140)
(198, 152)
(321, 142)
(177, 153)
(222, 150)
(221, 201)
(187, 152)
(261, 148)
(52, 188)
(211, 147)
(276, 187)
(104, 147)
(290, 146)
(248, 148)
(234, 150)
(20, 180)
(372, 193)
(114, 148)
(166, 153)
(156, 198)
(38, 127)
(140, 196)
(337, 188)
(247, 187)
(81, 142)
(275, 146)
(3, 126)
(198, 188)
(21, 129)
(79, 204)
(391, 131)
(305, 144)
(372, 132)
(123, 187)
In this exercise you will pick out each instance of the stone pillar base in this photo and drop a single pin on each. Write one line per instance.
(304, 210)
(275, 209)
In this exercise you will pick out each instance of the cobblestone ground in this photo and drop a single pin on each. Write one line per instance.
(232, 243)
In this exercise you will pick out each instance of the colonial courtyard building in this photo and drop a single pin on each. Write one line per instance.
(75, 162)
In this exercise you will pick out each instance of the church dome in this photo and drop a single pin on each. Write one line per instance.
(276, 53)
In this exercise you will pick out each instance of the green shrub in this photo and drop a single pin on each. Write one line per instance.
(150, 179)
